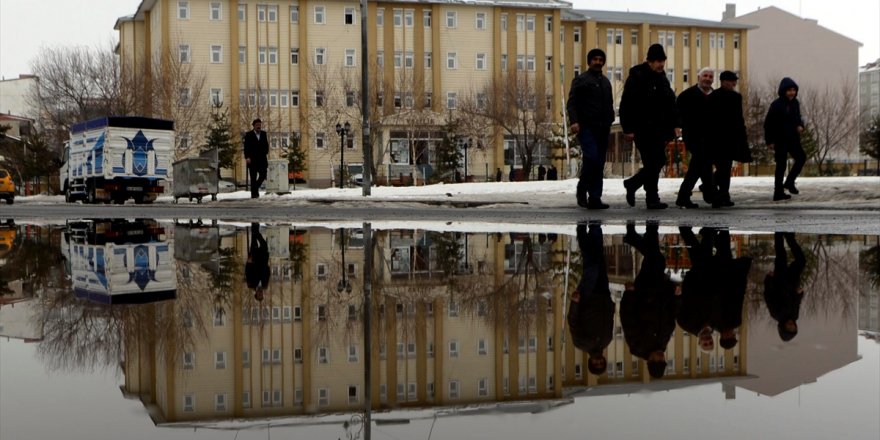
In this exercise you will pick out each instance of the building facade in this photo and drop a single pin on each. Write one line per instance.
(433, 66)
(869, 94)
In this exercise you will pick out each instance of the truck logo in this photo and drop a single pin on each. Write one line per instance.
(140, 147)
(141, 275)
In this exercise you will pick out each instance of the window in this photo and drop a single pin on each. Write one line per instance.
(548, 63)
(349, 16)
(219, 402)
(298, 396)
(276, 355)
(408, 18)
(276, 397)
(633, 37)
(398, 17)
(453, 389)
(481, 347)
(548, 23)
(520, 62)
(577, 69)
(480, 20)
(408, 59)
(686, 76)
(483, 387)
(661, 37)
(246, 399)
(349, 98)
(297, 355)
(721, 41)
(215, 11)
(699, 40)
(242, 54)
(189, 360)
(294, 102)
(428, 100)
(481, 61)
(670, 39)
(242, 12)
(294, 13)
(504, 61)
(189, 402)
(246, 358)
(530, 63)
(261, 58)
(352, 394)
(503, 23)
(711, 40)
(736, 41)
(320, 53)
(609, 37)
(530, 23)
(670, 75)
(261, 12)
(185, 96)
(183, 10)
(272, 11)
(618, 36)
(352, 353)
(273, 55)
(217, 99)
(294, 55)
(686, 39)
(426, 18)
(349, 57)
(577, 35)
(322, 313)
(429, 62)
(323, 355)
(267, 398)
(398, 103)
(380, 58)
(319, 141)
(319, 15)
(453, 348)
(380, 17)
(451, 19)
(220, 360)
(398, 55)
(183, 53)
(216, 53)
(323, 396)
(452, 308)
(451, 62)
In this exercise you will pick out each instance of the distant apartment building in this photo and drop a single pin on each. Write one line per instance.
(869, 93)
(296, 65)
(14, 94)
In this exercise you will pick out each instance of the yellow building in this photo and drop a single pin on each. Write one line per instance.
(296, 65)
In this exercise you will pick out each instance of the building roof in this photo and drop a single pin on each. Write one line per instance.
(744, 19)
(626, 17)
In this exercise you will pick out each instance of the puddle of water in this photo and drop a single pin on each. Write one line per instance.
(158, 329)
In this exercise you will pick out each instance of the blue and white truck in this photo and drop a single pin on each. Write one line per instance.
(116, 158)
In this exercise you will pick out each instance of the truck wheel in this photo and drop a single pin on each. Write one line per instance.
(213, 197)
(9, 201)
(138, 200)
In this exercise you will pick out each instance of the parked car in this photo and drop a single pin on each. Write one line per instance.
(7, 187)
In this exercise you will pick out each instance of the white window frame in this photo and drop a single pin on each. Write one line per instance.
(451, 19)
(426, 18)
(320, 142)
(323, 396)
(320, 56)
(189, 402)
(272, 13)
(184, 53)
(219, 360)
(220, 402)
(482, 347)
(480, 62)
(294, 55)
(216, 11)
(297, 355)
(483, 387)
(262, 55)
(409, 18)
(216, 53)
(451, 60)
(183, 10)
(480, 21)
(353, 353)
(273, 55)
(323, 355)
(350, 56)
(294, 14)
(380, 16)
(429, 60)
(320, 14)
(189, 360)
(530, 63)
(242, 54)
(397, 17)
(409, 59)
(294, 102)
(242, 12)
(246, 399)
(530, 23)
(577, 35)
(348, 17)
(454, 389)
(453, 348)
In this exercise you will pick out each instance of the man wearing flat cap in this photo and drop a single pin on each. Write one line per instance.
(256, 156)
(591, 112)
(729, 131)
(648, 116)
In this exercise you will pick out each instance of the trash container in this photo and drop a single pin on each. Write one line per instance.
(195, 177)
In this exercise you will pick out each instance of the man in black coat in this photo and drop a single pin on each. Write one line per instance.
(782, 286)
(648, 116)
(256, 155)
(591, 311)
(590, 113)
(256, 269)
(782, 133)
(648, 306)
(695, 117)
(729, 137)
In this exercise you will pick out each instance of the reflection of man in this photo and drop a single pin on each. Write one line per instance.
(256, 155)
(591, 311)
(647, 310)
(782, 286)
(256, 270)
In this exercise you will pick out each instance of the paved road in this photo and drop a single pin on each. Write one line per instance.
(797, 219)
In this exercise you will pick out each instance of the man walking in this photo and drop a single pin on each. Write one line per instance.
(648, 116)
(694, 114)
(728, 136)
(256, 155)
(591, 112)
(782, 133)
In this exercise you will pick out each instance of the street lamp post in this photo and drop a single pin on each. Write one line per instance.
(342, 131)
(343, 284)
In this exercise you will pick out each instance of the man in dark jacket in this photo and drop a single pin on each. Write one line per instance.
(591, 112)
(731, 279)
(256, 269)
(782, 133)
(728, 135)
(591, 311)
(695, 117)
(648, 116)
(256, 155)
(782, 286)
(648, 306)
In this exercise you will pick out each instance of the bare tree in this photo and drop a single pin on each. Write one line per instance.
(832, 117)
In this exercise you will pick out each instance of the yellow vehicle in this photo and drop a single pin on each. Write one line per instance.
(7, 241)
(7, 187)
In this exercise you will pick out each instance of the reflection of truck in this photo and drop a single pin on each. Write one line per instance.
(117, 158)
(120, 261)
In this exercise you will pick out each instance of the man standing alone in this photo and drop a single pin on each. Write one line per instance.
(591, 112)
(256, 155)
(648, 116)
(693, 108)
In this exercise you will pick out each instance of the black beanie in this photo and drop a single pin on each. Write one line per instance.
(595, 53)
(656, 53)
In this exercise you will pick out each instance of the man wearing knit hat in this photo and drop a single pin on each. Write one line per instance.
(591, 112)
(648, 116)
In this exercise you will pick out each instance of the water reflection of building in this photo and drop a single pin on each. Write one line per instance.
(457, 319)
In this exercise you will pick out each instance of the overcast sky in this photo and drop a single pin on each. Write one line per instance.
(26, 25)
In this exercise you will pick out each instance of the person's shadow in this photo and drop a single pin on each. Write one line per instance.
(648, 306)
(256, 269)
(782, 285)
(591, 309)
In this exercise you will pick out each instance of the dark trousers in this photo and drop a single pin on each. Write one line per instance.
(652, 149)
(258, 175)
(723, 168)
(699, 167)
(594, 145)
(781, 156)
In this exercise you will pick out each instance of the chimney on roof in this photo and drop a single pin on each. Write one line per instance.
(729, 12)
